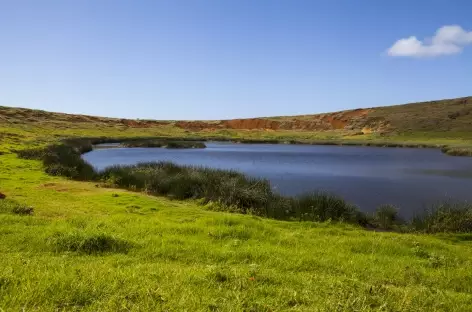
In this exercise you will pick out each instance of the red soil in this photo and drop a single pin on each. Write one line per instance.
(332, 121)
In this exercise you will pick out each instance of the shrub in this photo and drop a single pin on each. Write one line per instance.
(34, 153)
(258, 141)
(445, 217)
(280, 207)
(228, 188)
(63, 160)
(457, 151)
(88, 243)
(148, 143)
(323, 206)
(122, 176)
(163, 143)
(23, 210)
(386, 217)
(11, 206)
(183, 144)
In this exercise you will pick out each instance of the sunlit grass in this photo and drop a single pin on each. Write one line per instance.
(149, 253)
(90, 248)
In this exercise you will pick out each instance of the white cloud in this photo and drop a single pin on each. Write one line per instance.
(448, 40)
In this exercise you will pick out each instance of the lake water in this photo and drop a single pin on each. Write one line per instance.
(411, 179)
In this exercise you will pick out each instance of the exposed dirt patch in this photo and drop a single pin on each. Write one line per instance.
(193, 125)
(49, 185)
(58, 187)
(334, 122)
(351, 120)
(250, 124)
(355, 113)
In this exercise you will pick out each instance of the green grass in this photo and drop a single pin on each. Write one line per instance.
(91, 248)
(229, 190)
(232, 191)
(84, 247)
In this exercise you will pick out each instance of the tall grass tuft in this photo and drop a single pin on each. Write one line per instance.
(88, 243)
(63, 160)
(445, 217)
(386, 217)
(13, 207)
(457, 151)
(163, 143)
(235, 192)
(184, 144)
(322, 206)
(228, 188)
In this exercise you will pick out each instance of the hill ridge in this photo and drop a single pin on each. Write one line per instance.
(445, 115)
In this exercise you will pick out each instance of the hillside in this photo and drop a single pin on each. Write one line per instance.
(452, 115)
(436, 123)
(84, 246)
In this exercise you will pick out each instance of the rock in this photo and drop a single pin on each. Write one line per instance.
(3, 196)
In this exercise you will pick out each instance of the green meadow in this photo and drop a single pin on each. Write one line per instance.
(80, 246)
(67, 245)
(100, 249)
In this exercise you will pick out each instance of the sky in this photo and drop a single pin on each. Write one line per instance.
(217, 59)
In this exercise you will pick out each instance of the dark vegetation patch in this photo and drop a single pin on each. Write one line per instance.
(184, 144)
(386, 217)
(63, 160)
(445, 217)
(88, 243)
(13, 207)
(163, 143)
(256, 141)
(460, 113)
(147, 143)
(235, 192)
(323, 206)
(457, 151)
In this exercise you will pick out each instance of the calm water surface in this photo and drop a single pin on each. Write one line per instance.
(367, 176)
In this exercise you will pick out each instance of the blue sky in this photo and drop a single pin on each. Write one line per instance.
(228, 59)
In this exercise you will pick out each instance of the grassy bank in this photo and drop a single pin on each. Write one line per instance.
(74, 245)
(91, 248)
(457, 151)
(235, 192)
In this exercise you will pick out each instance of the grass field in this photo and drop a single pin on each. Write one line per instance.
(96, 249)
(89, 248)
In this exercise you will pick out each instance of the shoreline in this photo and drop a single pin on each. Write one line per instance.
(463, 151)
(210, 186)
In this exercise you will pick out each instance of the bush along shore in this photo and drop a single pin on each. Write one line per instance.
(457, 151)
(163, 143)
(235, 192)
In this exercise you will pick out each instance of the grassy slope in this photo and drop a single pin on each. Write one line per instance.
(447, 122)
(183, 257)
(186, 258)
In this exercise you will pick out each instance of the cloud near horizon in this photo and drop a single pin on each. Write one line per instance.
(448, 40)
